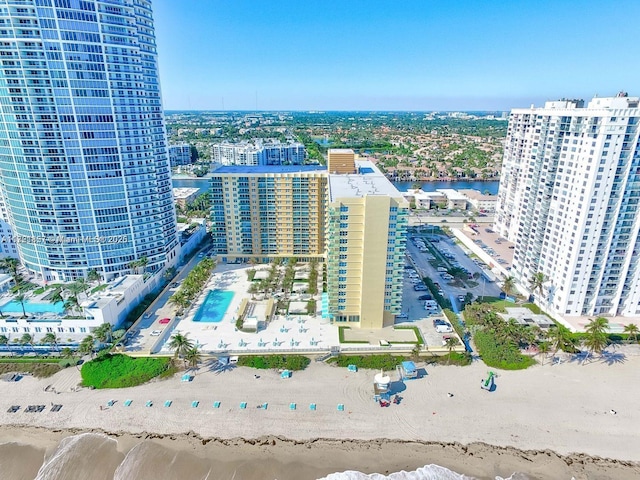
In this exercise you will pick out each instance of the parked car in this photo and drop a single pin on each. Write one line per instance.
(155, 333)
(461, 298)
(430, 304)
(421, 287)
(164, 321)
(446, 328)
(425, 297)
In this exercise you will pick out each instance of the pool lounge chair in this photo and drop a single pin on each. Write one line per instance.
(195, 404)
(216, 404)
(312, 406)
(292, 406)
(111, 403)
(168, 403)
(127, 403)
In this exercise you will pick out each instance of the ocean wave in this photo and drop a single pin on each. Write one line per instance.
(428, 472)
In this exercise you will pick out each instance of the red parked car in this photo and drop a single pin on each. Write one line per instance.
(164, 321)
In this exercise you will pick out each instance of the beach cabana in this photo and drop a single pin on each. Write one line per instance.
(408, 370)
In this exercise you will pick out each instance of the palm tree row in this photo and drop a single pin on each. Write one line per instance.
(193, 284)
(184, 348)
(135, 265)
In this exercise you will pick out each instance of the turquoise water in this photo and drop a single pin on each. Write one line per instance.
(214, 306)
(15, 307)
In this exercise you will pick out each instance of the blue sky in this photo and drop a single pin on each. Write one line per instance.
(393, 54)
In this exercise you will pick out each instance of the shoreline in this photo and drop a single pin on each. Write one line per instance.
(563, 407)
(289, 459)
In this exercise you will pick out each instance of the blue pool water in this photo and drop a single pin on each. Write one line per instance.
(214, 306)
(15, 307)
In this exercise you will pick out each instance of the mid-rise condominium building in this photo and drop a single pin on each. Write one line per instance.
(83, 147)
(180, 154)
(568, 199)
(356, 222)
(259, 152)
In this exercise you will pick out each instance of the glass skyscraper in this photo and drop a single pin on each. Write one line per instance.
(83, 148)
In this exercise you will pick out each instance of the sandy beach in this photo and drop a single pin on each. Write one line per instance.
(549, 421)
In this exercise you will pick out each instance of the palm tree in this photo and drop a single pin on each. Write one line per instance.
(632, 330)
(143, 262)
(86, 345)
(543, 349)
(103, 333)
(560, 339)
(50, 339)
(596, 340)
(71, 303)
(4, 340)
(81, 285)
(537, 281)
(509, 285)
(180, 344)
(26, 339)
(93, 276)
(193, 357)
(451, 343)
(20, 298)
(66, 352)
(11, 265)
(56, 296)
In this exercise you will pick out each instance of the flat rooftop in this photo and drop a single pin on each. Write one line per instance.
(451, 194)
(368, 181)
(184, 192)
(249, 169)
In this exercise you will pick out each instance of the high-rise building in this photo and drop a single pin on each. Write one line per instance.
(366, 238)
(83, 145)
(259, 152)
(180, 154)
(268, 212)
(357, 222)
(568, 199)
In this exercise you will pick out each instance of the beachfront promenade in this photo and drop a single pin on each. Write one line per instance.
(564, 407)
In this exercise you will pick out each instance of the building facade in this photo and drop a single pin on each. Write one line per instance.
(366, 240)
(568, 199)
(180, 154)
(83, 147)
(355, 222)
(259, 153)
(268, 212)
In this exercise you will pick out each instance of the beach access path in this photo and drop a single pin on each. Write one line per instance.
(566, 407)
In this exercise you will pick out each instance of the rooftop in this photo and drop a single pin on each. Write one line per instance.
(452, 194)
(477, 195)
(368, 181)
(249, 169)
(184, 192)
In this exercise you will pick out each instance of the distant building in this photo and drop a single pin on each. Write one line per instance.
(569, 199)
(183, 196)
(341, 160)
(479, 201)
(260, 152)
(180, 154)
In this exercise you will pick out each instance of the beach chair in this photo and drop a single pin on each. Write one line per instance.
(285, 374)
(216, 404)
(195, 404)
(341, 407)
(149, 403)
(352, 368)
(243, 405)
(111, 403)
(127, 403)
(292, 406)
(312, 406)
(168, 403)
(265, 405)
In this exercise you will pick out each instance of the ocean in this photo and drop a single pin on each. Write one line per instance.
(97, 456)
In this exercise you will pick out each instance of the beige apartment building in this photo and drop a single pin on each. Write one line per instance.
(354, 221)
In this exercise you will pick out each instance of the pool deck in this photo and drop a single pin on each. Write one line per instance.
(283, 333)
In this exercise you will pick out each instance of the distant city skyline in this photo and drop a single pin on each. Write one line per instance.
(374, 55)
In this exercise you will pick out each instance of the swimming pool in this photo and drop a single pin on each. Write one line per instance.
(16, 307)
(214, 306)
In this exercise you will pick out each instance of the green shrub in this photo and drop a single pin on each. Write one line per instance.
(375, 362)
(443, 302)
(40, 369)
(120, 371)
(497, 354)
(288, 362)
(454, 358)
(455, 322)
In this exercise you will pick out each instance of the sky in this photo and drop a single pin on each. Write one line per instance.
(393, 54)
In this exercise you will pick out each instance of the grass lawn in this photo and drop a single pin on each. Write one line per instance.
(374, 362)
(121, 371)
(38, 367)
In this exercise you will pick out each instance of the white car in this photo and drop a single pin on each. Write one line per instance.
(155, 333)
